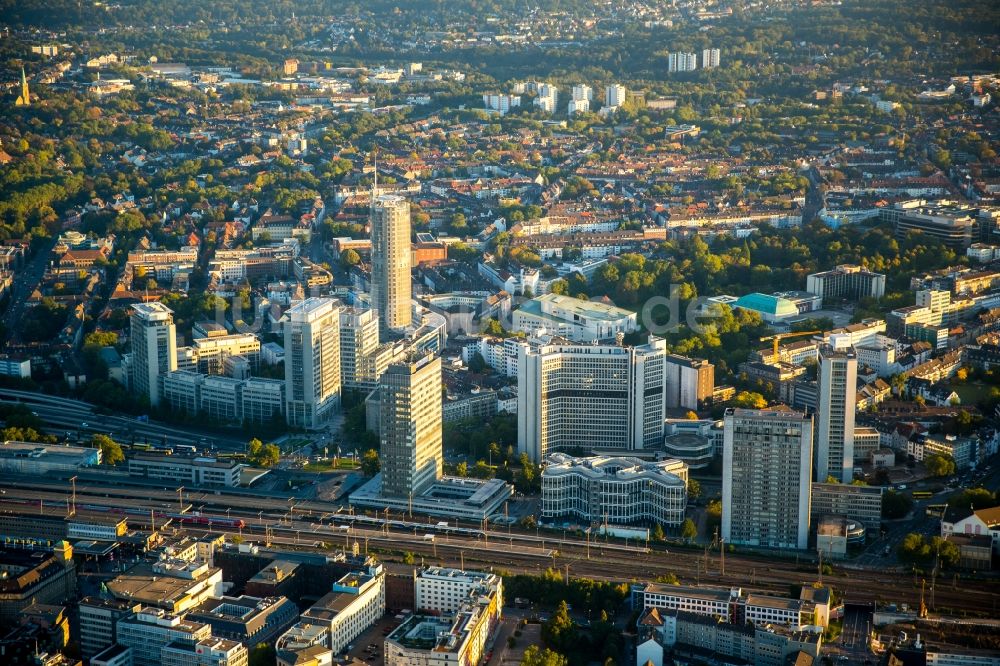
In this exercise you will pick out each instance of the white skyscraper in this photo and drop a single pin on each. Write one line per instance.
(590, 396)
(766, 478)
(358, 338)
(709, 58)
(614, 95)
(681, 62)
(583, 93)
(312, 361)
(548, 97)
(837, 388)
(154, 348)
(391, 279)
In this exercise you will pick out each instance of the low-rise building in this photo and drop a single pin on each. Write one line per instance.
(858, 503)
(186, 470)
(573, 319)
(616, 490)
(249, 620)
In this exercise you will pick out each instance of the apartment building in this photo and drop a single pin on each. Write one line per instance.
(837, 381)
(766, 478)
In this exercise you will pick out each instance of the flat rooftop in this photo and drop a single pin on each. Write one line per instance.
(568, 307)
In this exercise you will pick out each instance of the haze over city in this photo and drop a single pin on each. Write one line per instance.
(499, 333)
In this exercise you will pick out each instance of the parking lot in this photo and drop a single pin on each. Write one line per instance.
(374, 636)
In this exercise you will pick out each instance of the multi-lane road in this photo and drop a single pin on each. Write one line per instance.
(310, 521)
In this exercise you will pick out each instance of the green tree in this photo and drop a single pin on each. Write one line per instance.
(536, 656)
(111, 451)
(462, 469)
(262, 655)
(350, 257)
(694, 488)
(974, 498)
(657, 534)
(559, 633)
(688, 529)
(895, 505)
(749, 400)
(370, 463)
(939, 465)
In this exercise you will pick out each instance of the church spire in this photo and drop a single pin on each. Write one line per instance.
(24, 99)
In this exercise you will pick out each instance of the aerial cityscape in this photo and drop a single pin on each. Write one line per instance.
(499, 333)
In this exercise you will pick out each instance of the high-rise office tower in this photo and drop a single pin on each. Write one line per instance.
(614, 95)
(410, 426)
(837, 387)
(154, 348)
(312, 361)
(358, 338)
(590, 396)
(766, 477)
(391, 281)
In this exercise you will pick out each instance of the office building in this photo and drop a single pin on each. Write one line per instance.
(152, 629)
(263, 400)
(99, 622)
(614, 95)
(690, 381)
(154, 348)
(312, 362)
(390, 279)
(209, 651)
(709, 58)
(359, 337)
(35, 577)
(604, 397)
(246, 619)
(37, 459)
(681, 62)
(444, 590)
(410, 426)
(709, 601)
(766, 478)
(458, 637)
(15, 367)
(113, 655)
(355, 603)
(621, 491)
(573, 319)
(847, 282)
(213, 351)
(956, 225)
(837, 384)
(171, 586)
(182, 469)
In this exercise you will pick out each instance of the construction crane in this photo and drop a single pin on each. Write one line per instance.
(784, 336)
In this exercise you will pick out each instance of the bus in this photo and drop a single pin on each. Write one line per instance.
(922, 494)
(935, 510)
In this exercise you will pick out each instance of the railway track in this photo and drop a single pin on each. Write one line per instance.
(313, 521)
